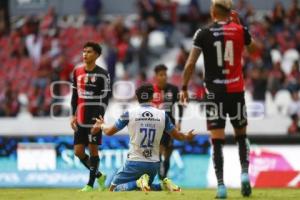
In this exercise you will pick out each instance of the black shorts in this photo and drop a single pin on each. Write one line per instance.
(219, 106)
(83, 136)
(166, 140)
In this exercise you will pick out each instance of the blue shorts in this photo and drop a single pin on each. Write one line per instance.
(133, 170)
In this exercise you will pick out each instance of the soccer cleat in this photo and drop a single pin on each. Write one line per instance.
(221, 192)
(167, 184)
(246, 186)
(86, 188)
(143, 183)
(101, 182)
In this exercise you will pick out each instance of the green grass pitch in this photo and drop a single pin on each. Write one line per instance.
(73, 194)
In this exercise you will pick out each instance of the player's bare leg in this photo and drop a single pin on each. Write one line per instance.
(94, 168)
(218, 141)
(79, 151)
(244, 149)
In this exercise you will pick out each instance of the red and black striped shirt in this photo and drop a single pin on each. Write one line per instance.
(222, 44)
(91, 91)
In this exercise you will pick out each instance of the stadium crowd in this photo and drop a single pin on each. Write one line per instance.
(37, 50)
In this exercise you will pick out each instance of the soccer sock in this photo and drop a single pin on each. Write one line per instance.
(166, 164)
(126, 186)
(161, 167)
(156, 187)
(164, 167)
(94, 160)
(218, 159)
(244, 148)
(86, 162)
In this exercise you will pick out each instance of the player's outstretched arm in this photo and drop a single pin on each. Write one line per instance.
(100, 125)
(189, 136)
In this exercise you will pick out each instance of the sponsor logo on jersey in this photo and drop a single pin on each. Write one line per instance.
(147, 116)
(93, 79)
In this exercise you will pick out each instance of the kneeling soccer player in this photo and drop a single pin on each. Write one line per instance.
(146, 125)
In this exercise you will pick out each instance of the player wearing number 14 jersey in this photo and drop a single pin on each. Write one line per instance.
(146, 125)
(222, 44)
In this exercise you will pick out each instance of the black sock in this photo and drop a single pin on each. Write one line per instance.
(86, 162)
(166, 164)
(218, 159)
(161, 168)
(244, 148)
(164, 168)
(94, 160)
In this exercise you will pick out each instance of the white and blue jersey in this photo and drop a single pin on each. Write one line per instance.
(146, 125)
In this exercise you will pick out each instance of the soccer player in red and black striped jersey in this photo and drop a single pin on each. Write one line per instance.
(91, 90)
(165, 97)
(222, 44)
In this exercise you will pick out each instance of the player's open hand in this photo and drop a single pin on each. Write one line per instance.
(73, 123)
(184, 97)
(190, 135)
(234, 17)
(97, 126)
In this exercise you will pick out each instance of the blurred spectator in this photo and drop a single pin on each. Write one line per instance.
(276, 79)
(146, 8)
(34, 41)
(49, 20)
(194, 16)
(293, 79)
(245, 11)
(278, 17)
(92, 10)
(259, 80)
(294, 11)
(294, 113)
(4, 18)
(181, 59)
(111, 60)
(167, 10)
(9, 103)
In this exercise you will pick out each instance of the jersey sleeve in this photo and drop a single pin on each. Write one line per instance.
(247, 36)
(74, 94)
(169, 126)
(122, 121)
(198, 39)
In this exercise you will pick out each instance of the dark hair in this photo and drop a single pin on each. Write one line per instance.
(160, 67)
(144, 93)
(95, 46)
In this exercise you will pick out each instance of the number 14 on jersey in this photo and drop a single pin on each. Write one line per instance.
(228, 53)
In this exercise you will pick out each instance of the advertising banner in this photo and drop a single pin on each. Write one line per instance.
(50, 162)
